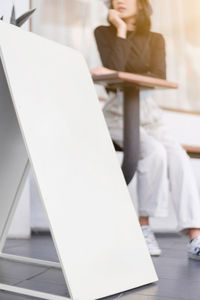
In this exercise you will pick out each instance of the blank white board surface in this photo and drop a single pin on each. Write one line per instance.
(92, 218)
(13, 155)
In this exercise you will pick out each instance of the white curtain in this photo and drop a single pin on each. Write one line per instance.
(72, 22)
(179, 21)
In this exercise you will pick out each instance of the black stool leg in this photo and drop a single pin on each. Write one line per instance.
(131, 132)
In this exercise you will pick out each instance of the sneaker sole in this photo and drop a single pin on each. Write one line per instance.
(155, 254)
(194, 257)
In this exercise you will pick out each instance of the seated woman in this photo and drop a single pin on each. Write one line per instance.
(129, 45)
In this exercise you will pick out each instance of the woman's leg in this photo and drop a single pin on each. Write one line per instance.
(183, 185)
(144, 221)
(182, 182)
(152, 187)
(184, 190)
(152, 183)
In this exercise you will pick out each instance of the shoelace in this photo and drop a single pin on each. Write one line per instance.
(197, 246)
(197, 251)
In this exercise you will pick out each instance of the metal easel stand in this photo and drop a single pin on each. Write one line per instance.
(21, 259)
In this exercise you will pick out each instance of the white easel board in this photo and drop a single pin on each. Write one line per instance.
(92, 218)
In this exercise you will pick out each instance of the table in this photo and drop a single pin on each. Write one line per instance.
(131, 85)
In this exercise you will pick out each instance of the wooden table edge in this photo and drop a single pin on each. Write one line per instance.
(140, 80)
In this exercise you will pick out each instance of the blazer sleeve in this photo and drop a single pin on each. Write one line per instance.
(113, 50)
(158, 57)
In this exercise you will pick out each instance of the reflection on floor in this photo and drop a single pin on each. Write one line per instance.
(179, 277)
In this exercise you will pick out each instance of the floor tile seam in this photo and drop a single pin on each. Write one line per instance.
(17, 283)
(25, 279)
(49, 282)
(40, 273)
(45, 282)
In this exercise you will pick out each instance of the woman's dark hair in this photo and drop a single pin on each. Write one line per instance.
(143, 21)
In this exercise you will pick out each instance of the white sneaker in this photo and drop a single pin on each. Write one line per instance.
(194, 248)
(151, 241)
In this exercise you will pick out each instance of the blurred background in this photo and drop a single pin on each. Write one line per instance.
(71, 22)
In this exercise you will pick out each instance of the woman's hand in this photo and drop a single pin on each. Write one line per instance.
(120, 25)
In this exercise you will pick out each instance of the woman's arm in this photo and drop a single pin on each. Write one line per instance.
(158, 57)
(114, 50)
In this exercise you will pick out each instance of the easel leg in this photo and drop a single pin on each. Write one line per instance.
(14, 206)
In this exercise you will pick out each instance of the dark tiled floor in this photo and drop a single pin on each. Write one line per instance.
(179, 278)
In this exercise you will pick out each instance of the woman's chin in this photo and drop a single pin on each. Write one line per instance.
(122, 15)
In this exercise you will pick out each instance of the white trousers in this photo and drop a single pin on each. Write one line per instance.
(163, 166)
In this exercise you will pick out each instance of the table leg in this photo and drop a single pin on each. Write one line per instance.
(131, 132)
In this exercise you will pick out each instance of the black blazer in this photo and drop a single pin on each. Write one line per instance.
(141, 54)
